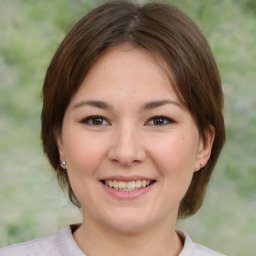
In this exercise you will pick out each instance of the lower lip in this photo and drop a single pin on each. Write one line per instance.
(133, 194)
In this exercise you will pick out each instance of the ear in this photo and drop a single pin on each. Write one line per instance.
(59, 145)
(204, 149)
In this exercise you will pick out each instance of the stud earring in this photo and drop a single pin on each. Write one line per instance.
(62, 162)
(201, 167)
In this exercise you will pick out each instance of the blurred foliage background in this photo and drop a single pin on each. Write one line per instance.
(32, 205)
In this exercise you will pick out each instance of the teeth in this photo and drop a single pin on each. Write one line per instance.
(131, 185)
(122, 184)
(138, 183)
(127, 186)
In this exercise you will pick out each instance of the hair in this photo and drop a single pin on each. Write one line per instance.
(166, 33)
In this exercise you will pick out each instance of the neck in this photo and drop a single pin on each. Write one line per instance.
(160, 239)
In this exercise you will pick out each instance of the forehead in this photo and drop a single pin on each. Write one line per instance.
(126, 68)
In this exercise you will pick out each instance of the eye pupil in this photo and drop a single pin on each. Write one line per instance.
(158, 121)
(97, 121)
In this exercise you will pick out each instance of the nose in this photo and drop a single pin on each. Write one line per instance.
(127, 147)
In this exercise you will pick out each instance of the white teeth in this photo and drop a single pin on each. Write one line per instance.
(138, 183)
(122, 184)
(131, 184)
(115, 183)
(127, 186)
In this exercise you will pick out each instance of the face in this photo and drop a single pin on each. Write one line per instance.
(131, 147)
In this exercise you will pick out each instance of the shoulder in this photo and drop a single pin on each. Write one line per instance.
(40, 247)
(57, 245)
(201, 250)
(193, 249)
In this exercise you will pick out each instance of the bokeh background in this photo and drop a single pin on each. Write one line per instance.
(32, 205)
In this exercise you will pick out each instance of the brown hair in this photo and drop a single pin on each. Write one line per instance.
(165, 32)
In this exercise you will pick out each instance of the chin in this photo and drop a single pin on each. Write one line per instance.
(129, 227)
(129, 222)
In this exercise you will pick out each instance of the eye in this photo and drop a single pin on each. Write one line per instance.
(95, 121)
(160, 120)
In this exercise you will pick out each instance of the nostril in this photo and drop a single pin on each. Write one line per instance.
(126, 158)
(126, 148)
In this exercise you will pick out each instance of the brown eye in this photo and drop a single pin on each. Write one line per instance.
(95, 121)
(160, 120)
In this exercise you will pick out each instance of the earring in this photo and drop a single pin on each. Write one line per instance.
(62, 162)
(201, 167)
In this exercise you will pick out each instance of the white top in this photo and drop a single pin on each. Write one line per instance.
(63, 244)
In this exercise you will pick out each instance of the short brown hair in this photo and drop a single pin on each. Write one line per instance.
(165, 32)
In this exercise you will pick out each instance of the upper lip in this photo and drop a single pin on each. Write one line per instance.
(127, 178)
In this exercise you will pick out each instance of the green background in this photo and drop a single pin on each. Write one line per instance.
(32, 205)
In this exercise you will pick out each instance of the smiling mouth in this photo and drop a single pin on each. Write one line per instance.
(128, 186)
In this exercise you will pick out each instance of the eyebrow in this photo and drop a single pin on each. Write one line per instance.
(146, 106)
(159, 103)
(93, 103)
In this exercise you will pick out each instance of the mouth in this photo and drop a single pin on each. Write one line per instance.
(128, 186)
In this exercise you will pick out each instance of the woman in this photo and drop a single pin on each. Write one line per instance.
(132, 124)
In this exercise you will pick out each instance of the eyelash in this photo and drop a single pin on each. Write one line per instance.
(163, 121)
(166, 120)
(89, 120)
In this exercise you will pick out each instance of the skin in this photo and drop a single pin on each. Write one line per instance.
(129, 139)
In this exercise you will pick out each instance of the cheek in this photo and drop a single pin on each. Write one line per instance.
(83, 153)
(175, 158)
(175, 150)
